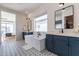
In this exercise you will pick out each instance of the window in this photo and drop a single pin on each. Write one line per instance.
(8, 16)
(40, 23)
(8, 22)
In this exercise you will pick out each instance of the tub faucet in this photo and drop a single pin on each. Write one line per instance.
(62, 31)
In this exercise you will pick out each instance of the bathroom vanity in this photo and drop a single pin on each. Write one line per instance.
(65, 45)
(62, 43)
(26, 33)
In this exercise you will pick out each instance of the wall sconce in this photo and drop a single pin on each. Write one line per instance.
(61, 4)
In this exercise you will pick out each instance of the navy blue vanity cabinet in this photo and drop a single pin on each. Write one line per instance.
(50, 42)
(61, 45)
(26, 33)
(74, 46)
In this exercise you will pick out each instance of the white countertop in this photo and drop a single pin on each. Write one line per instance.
(67, 34)
(62, 34)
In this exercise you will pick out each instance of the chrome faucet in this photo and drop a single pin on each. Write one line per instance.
(62, 31)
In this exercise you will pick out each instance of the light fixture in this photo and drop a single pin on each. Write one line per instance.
(61, 4)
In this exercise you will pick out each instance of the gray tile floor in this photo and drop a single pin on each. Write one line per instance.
(14, 48)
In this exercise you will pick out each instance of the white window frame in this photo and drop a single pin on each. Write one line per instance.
(40, 19)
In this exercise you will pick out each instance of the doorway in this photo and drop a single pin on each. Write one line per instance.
(8, 26)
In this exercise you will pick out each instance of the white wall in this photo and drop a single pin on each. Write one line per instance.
(20, 21)
(50, 9)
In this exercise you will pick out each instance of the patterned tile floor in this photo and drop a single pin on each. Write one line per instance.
(34, 52)
(15, 48)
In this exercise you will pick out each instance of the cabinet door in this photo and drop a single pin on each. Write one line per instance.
(74, 46)
(49, 43)
(61, 45)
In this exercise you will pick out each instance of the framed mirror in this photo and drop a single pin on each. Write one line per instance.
(64, 18)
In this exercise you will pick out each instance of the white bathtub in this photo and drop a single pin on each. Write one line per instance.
(35, 41)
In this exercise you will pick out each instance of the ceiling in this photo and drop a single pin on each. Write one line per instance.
(21, 7)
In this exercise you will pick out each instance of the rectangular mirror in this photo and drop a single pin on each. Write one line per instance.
(64, 18)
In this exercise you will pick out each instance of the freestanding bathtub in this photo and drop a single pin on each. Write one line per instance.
(35, 42)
